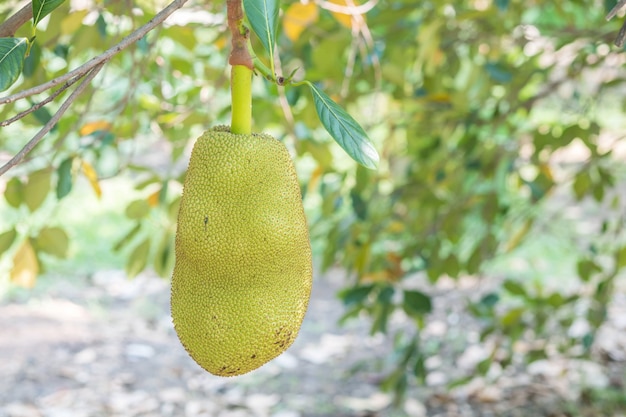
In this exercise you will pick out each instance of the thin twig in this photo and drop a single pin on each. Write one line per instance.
(88, 71)
(621, 36)
(38, 105)
(53, 121)
(349, 10)
(13, 23)
(616, 9)
(105, 56)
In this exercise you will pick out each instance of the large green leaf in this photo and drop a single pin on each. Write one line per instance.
(127, 238)
(52, 240)
(37, 188)
(6, 240)
(12, 55)
(416, 303)
(65, 179)
(138, 258)
(263, 17)
(344, 129)
(138, 209)
(42, 8)
(14, 192)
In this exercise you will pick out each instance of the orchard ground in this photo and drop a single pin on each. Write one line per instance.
(101, 345)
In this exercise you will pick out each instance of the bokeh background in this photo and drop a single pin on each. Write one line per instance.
(477, 272)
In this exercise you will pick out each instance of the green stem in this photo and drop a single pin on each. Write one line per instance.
(241, 72)
(241, 94)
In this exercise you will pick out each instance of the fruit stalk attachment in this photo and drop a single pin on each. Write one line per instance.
(241, 72)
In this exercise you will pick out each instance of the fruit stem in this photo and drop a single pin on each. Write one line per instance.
(241, 72)
(241, 94)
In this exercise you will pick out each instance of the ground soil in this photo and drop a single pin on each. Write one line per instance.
(104, 345)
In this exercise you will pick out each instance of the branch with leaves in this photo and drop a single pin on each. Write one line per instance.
(86, 72)
(621, 36)
(263, 18)
(13, 23)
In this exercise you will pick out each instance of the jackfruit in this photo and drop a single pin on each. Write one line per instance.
(243, 271)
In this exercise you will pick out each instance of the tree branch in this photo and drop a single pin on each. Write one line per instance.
(39, 105)
(621, 36)
(105, 56)
(13, 23)
(53, 121)
(239, 54)
(87, 70)
(615, 10)
(350, 9)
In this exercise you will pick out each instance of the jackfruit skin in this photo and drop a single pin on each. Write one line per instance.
(243, 272)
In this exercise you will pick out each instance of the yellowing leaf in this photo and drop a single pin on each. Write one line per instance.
(153, 199)
(72, 22)
(316, 175)
(377, 276)
(92, 176)
(440, 98)
(298, 17)
(396, 227)
(344, 18)
(89, 128)
(220, 43)
(518, 236)
(25, 266)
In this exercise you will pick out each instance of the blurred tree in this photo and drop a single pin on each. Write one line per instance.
(474, 106)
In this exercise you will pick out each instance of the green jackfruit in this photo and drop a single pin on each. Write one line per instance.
(243, 272)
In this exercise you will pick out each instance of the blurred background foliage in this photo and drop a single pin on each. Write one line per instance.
(499, 124)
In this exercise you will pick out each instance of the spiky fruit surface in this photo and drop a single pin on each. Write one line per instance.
(243, 272)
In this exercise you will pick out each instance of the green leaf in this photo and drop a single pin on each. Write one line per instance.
(52, 240)
(263, 17)
(460, 381)
(483, 366)
(42, 8)
(490, 300)
(514, 288)
(127, 238)
(12, 56)
(6, 240)
(621, 257)
(586, 268)
(344, 129)
(385, 295)
(31, 63)
(138, 258)
(101, 25)
(42, 115)
(419, 369)
(137, 209)
(164, 257)
(14, 192)
(37, 188)
(381, 317)
(581, 185)
(503, 5)
(355, 295)
(416, 303)
(512, 317)
(64, 182)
